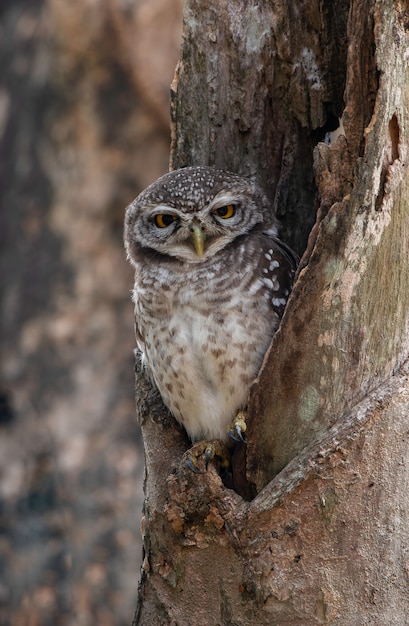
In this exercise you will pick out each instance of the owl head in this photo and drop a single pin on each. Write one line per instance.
(192, 213)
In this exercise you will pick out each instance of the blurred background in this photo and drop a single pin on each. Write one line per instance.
(84, 126)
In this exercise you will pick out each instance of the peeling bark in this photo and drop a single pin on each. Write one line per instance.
(346, 327)
(325, 540)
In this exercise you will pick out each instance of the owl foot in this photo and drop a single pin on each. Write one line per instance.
(238, 427)
(207, 450)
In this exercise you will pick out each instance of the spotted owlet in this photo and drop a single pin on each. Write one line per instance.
(211, 283)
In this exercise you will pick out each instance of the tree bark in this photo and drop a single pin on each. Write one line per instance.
(312, 101)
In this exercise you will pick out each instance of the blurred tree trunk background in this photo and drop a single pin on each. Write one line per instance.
(84, 91)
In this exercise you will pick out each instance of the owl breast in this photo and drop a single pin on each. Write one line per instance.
(204, 334)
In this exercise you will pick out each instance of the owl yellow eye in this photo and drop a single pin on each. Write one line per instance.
(163, 220)
(225, 212)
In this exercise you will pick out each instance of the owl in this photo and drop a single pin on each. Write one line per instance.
(211, 283)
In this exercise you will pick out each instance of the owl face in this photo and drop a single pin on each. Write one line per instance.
(192, 213)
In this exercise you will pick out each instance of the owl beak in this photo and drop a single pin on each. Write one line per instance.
(198, 239)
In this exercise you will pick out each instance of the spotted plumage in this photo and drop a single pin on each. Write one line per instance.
(211, 283)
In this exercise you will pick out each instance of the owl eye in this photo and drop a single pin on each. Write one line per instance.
(163, 220)
(225, 212)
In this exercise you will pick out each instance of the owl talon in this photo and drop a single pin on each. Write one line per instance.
(238, 427)
(207, 450)
(236, 435)
(208, 455)
(190, 465)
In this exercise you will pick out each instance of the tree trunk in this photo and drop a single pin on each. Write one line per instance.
(311, 99)
(80, 135)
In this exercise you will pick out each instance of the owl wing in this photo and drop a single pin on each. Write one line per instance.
(139, 339)
(278, 267)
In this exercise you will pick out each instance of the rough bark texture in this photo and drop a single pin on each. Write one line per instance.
(326, 539)
(254, 97)
(347, 325)
(325, 542)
